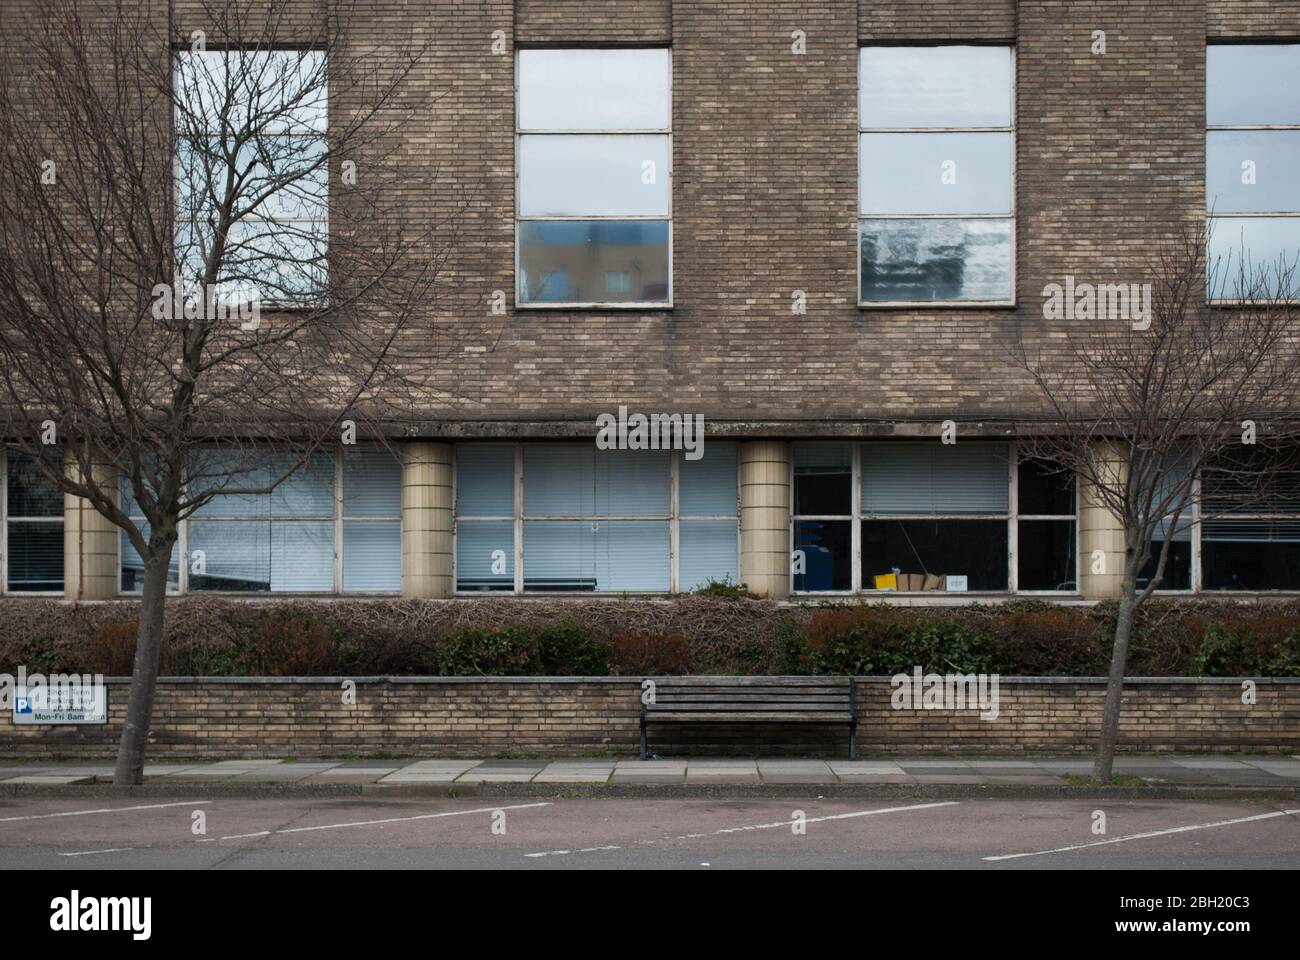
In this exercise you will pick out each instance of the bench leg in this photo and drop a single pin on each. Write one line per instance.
(853, 740)
(643, 748)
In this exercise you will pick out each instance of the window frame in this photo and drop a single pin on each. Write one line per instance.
(1012, 517)
(520, 133)
(312, 299)
(6, 519)
(861, 217)
(674, 517)
(1211, 216)
(336, 519)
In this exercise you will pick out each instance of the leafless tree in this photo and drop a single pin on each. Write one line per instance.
(203, 241)
(1170, 412)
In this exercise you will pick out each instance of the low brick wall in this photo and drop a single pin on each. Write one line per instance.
(553, 716)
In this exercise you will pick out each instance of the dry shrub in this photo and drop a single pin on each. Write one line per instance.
(633, 654)
(112, 649)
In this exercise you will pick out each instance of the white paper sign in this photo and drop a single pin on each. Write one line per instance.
(61, 704)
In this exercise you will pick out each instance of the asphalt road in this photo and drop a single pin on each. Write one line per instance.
(547, 834)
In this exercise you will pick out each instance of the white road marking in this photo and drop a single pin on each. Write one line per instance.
(561, 853)
(838, 816)
(1152, 833)
(84, 813)
(761, 826)
(371, 823)
(86, 853)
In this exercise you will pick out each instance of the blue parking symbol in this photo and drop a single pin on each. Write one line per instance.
(24, 705)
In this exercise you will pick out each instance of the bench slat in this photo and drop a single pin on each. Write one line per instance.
(757, 717)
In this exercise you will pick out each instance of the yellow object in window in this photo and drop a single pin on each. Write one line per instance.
(887, 581)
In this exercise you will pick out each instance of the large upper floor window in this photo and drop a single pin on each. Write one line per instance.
(573, 518)
(595, 180)
(31, 535)
(251, 139)
(936, 147)
(1252, 153)
(333, 526)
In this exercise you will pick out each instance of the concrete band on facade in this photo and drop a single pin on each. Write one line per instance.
(205, 717)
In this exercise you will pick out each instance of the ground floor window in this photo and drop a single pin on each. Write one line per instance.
(573, 518)
(925, 516)
(31, 535)
(333, 526)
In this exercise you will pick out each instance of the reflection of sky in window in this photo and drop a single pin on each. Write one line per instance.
(594, 89)
(1252, 83)
(945, 86)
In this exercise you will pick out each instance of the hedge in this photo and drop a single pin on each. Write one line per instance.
(706, 634)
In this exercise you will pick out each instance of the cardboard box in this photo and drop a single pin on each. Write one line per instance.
(886, 581)
(934, 582)
(911, 581)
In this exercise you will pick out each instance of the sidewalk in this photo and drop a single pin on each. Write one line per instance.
(1190, 770)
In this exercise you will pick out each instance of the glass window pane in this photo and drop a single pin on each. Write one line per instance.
(278, 91)
(372, 482)
(596, 555)
(279, 261)
(302, 556)
(567, 261)
(927, 260)
(568, 176)
(372, 555)
(132, 568)
(230, 555)
(36, 556)
(1178, 568)
(485, 555)
(826, 546)
(707, 552)
(1269, 247)
(594, 89)
(632, 483)
(1250, 555)
(947, 86)
(707, 487)
(974, 549)
(935, 172)
(30, 493)
(1044, 490)
(934, 478)
(559, 480)
(485, 480)
(308, 491)
(1045, 553)
(823, 479)
(1252, 83)
(1275, 156)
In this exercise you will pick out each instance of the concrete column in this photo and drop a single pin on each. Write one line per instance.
(426, 520)
(1099, 529)
(90, 542)
(765, 517)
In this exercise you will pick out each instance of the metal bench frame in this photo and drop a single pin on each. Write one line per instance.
(824, 700)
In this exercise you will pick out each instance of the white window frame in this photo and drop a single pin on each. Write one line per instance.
(1211, 216)
(519, 518)
(1013, 536)
(860, 217)
(337, 518)
(5, 520)
(521, 132)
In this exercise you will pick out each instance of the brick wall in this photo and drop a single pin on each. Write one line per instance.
(452, 717)
(1109, 161)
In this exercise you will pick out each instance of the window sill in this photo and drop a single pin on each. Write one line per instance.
(937, 304)
(634, 306)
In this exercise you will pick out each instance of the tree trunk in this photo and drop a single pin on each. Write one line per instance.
(1115, 682)
(144, 677)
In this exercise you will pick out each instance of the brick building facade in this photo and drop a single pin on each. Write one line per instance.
(763, 327)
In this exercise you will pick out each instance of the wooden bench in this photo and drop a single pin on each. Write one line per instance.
(697, 700)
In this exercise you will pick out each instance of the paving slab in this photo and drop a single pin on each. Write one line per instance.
(858, 768)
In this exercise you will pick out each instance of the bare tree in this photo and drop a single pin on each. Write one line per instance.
(1169, 411)
(203, 247)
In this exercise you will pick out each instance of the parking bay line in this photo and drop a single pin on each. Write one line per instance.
(1152, 833)
(761, 826)
(87, 853)
(371, 823)
(83, 813)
